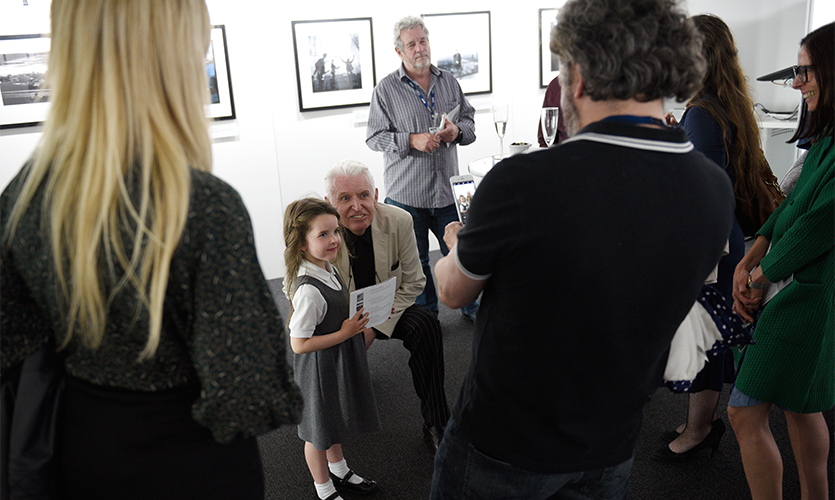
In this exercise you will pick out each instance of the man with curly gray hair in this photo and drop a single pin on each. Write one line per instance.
(587, 272)
(658, 55)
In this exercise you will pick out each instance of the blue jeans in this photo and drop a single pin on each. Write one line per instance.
(461, 471)
(425, 220)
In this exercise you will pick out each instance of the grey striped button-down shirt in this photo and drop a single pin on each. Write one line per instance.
(410, 176)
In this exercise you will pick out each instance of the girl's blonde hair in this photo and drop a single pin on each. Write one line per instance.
(298, 219)
(128, 87)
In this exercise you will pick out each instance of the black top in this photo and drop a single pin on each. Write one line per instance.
(593, 251)
(707, 136)
(221, 327)
(361, 249)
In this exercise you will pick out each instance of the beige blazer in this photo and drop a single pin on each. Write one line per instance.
(395, 254)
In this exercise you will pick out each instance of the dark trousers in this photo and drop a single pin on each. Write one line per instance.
(420, 332)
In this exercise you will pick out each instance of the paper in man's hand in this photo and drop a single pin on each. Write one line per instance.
(376, 299)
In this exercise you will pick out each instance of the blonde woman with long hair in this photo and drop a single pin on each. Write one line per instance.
(120, 247)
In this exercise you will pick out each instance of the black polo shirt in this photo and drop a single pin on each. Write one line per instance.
(593, 252)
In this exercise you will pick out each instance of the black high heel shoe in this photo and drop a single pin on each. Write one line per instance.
(670, 436)
(717, 429)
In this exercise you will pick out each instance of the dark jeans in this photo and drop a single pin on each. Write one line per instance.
(461, 471)
(435, 220)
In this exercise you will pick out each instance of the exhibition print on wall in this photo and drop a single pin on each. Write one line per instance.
(221, 103)
(334, 63)
(549, 65)
(24, 99)
(468, 57)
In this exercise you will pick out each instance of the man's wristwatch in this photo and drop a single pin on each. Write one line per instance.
(460, 135)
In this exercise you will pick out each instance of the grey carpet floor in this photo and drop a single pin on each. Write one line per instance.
(397, 458)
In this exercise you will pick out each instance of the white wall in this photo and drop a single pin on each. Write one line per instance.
(276, 154)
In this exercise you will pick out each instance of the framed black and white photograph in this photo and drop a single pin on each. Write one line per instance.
(221, 102)
(24, 99)
(334, 63)
(549, 65)
(460, 44)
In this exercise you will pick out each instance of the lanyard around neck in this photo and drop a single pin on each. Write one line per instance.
(636, 120)
(423, 100)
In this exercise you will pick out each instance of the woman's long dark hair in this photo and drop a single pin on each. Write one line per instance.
(820, 44)
(725, 83)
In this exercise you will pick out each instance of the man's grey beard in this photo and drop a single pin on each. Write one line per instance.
(569, 114)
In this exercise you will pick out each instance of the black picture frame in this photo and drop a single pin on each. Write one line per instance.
(549, 65)
(468, 57)
(24, 100)
(334, 63)
(221, 100)
(23, 62)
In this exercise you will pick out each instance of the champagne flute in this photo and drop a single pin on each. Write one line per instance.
(550, 121)
(500, 120)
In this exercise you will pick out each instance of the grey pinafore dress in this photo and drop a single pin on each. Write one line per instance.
(339, 402)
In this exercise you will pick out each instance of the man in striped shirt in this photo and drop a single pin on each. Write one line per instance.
(418, 164)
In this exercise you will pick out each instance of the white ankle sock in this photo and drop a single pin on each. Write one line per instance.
(325, 490)
(339, 469)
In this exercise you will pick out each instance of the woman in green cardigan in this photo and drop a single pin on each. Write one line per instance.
(792, 363)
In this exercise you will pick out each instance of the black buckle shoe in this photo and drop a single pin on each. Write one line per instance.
(365, 487)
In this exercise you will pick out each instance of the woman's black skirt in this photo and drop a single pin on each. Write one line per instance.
(116, 443)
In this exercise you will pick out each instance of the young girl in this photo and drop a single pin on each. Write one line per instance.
(330, 357)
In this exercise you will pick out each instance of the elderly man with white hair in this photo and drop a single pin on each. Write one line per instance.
(381, 241)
